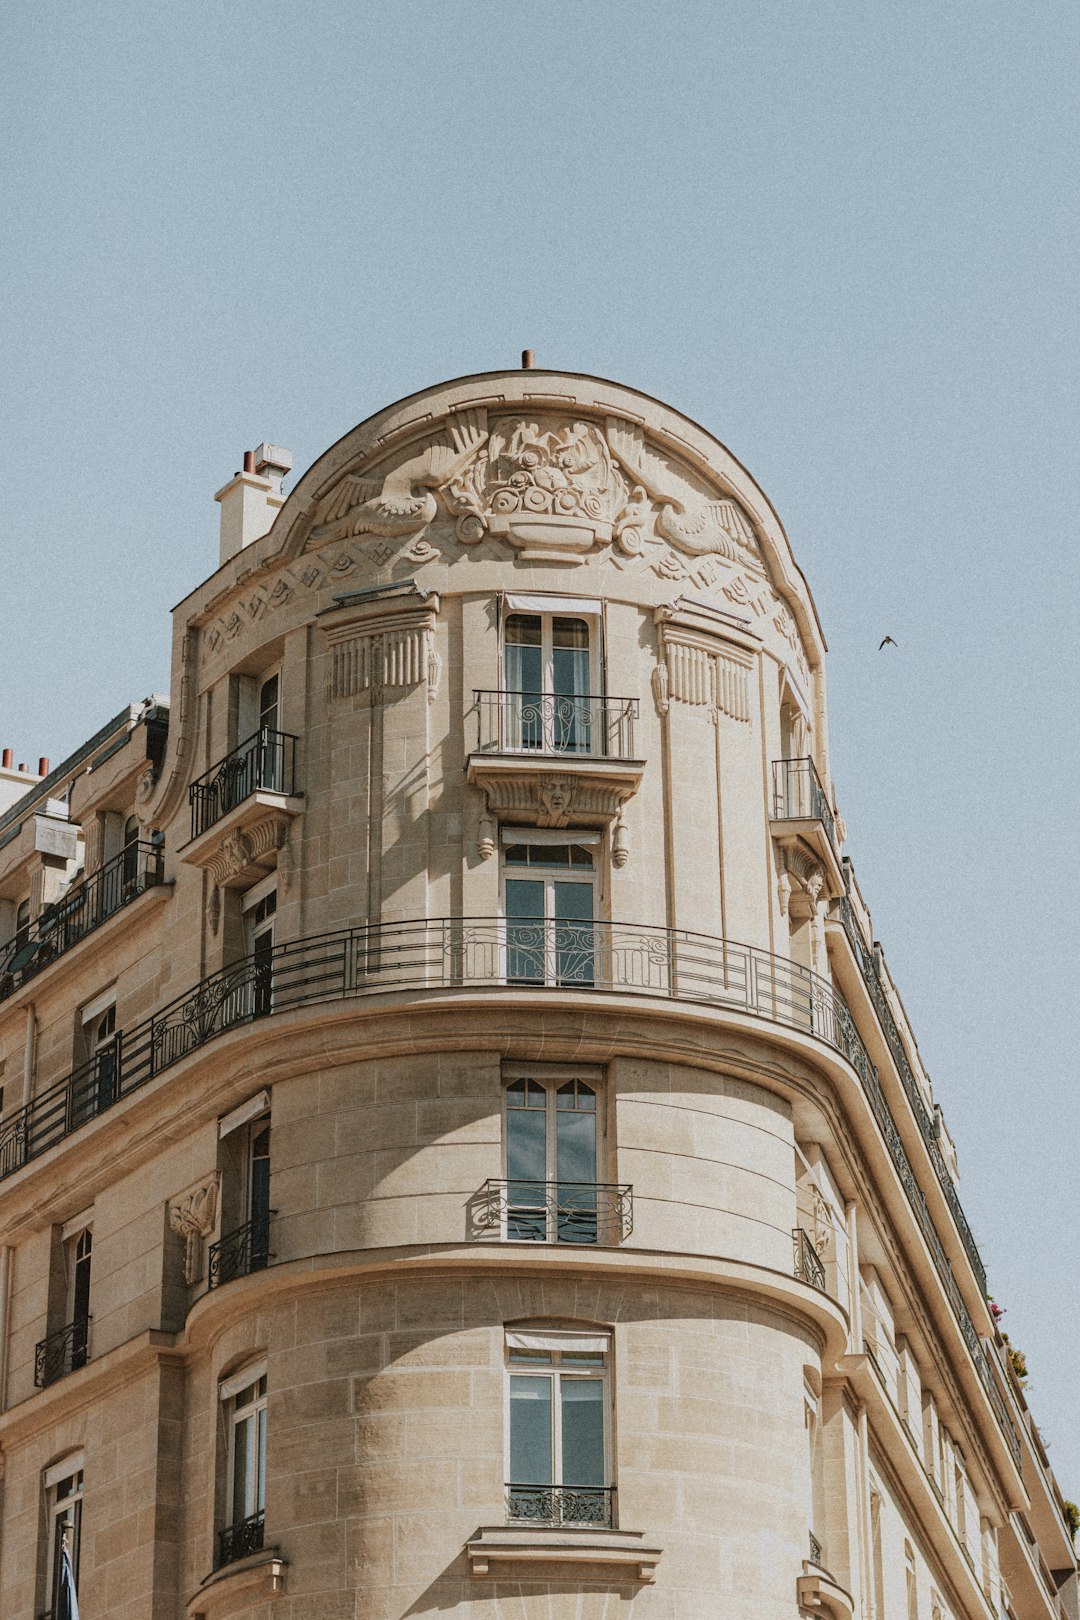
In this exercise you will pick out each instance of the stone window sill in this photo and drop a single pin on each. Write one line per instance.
(259, 1577)
(496, 1547)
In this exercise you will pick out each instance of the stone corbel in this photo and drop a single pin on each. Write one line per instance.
(194, 1215)
(249, 853)
(383, 645)
(818, 1594)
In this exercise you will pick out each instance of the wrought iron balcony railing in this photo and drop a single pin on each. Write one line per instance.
(241, 1252)
(555, 1211)
(240, 1540)
(62, 1352)
(799, 796)
(808, 1263)
(265, 762)
(440, 955)
(77, 913)
(560, 1504)
(547, 723)
(868, 968)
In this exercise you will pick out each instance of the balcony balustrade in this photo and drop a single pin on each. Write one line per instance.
(84, 907)
(555, 1211)
(808, 1263)
(560, 1504)
(62, 1352)
(549, 723)
(240, 1540)
(798, 795)
(440, 955)
(868, 968)
(264, 763)
(242, 1251)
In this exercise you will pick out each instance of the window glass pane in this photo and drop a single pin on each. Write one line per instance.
(530, 1430)
(268, 703)
(567, 633)
(580, 856)
(575, 1146)
(523, 630)
(525, 939)
(582, 1403)
(260, 1480)
(526, 1134)
(516, 855)
(524, 668)
(243, 1468)
(574, 944)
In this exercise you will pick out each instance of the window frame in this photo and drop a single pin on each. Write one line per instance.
(564, 1341)
(57, 1508)
(552, 1078)
(548, 875)
(230, 1389)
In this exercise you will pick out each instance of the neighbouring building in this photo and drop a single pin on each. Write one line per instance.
(462, 1149)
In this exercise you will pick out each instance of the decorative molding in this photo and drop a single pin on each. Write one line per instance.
(384, 645)
(706, 657)
(194, 1215)
(558, 794)
(494, 1547)
(693, 522)
(249, 851)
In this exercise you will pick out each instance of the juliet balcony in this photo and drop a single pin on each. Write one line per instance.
(242, 809)
(800, 813)
(84, 907)
(544, 757)
(554, 1212)
(241, 1251)
(62, 1352)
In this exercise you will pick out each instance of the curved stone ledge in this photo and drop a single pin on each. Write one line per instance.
(251, 1580)
(504, 1552)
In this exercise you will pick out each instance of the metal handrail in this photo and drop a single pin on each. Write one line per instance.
(871, 978)
(264, 762)
(555, 723)
(560, 1504)
(62, 1352)
(555, 1211)
(808, 1263)
(240, 1252)
(798, 795)
(84, 907)
(462, 953)
(242, 1539)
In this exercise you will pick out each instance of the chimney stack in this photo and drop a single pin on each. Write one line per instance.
(252, 499)
(7, 758)
(528, 359)
(43, 766)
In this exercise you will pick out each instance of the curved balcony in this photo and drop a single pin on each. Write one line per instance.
(463, 953)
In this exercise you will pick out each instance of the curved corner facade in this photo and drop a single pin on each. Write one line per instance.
(462, 1148)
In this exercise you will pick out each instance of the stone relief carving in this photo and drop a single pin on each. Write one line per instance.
(692, 522)
(549, 488)
(700, 671)
(243, 853)
(194, 1215)
(403, 502)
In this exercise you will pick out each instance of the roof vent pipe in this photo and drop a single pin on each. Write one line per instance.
(249, 461)
(43, 765)
(528, 359)
(6, 759)
(24, 770)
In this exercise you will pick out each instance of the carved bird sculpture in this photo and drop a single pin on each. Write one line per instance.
(692, 522)
(403, 502)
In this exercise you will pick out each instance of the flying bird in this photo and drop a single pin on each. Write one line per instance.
(888, 642)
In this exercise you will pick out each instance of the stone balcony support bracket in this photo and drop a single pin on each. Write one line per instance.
(819, 1594)
(496, 1547)
(554, 791)
(253, 1580)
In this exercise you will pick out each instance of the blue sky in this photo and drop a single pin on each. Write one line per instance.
(842, 236)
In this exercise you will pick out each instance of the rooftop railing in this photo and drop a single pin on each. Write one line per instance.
(264, 763)
(547, 723)
(868, 968)
(798, 795)
(77, 913)
(461, 953)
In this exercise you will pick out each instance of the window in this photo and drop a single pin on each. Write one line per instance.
(78, 1254)
(96, 1082)
(246, 1212)
(260, 909)
(551, 1163)
(558, 1432)
(64, 1500)
(552, 671)
(910, 1582)
(22, 925)
(271, 769)
(549, 894)
(244, 1405)
(130, 856)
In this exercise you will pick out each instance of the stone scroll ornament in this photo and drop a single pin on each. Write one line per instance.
(193, 1216)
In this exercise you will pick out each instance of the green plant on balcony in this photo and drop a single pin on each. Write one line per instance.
(1072, 1518)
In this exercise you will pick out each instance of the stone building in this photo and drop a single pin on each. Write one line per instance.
(462, 1148)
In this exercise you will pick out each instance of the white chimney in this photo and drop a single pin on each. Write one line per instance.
(252, 499)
